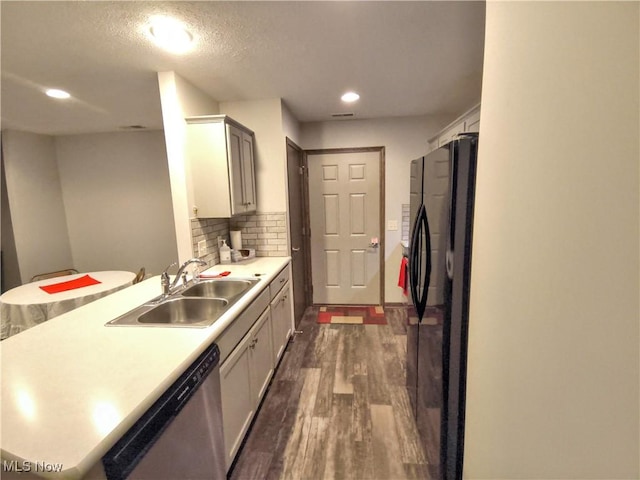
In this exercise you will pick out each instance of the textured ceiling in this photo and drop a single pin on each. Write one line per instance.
(404, 58)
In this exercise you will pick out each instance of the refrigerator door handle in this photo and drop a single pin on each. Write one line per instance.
(420, 277)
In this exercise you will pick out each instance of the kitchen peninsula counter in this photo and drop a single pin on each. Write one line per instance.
(71, 387)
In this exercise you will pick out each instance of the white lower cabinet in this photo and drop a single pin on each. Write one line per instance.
(281, 317)
(244, 377)
(261, 356)
(250, 349)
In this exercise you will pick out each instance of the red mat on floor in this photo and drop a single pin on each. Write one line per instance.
(353, 315)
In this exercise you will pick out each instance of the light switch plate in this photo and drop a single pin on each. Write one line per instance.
(202, 248)
(392, 225)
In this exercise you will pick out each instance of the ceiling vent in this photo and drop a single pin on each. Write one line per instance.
(341, 115)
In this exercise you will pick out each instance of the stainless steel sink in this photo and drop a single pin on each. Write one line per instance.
(175, 312)
(198, 305)
(186, 311)
(219, 288)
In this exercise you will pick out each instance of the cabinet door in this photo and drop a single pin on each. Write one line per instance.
(450, 134)
(234, 153)
(281, 320)
(261, 348)
(238, 405)
(472, 122)
(248, 173)
(286, 321)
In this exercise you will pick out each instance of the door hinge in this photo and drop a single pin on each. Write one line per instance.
(301, 169)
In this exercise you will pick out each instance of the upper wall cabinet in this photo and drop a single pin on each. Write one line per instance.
(220, 156)
(468, 122)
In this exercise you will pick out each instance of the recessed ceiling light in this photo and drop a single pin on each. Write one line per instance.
(56, 93)
(350, 97)
(170, 34)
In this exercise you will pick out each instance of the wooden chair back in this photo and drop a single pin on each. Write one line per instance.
(58, 273)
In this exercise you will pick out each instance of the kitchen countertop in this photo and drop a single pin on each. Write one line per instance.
(71, 387)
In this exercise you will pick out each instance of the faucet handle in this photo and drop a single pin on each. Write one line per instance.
(164, 280)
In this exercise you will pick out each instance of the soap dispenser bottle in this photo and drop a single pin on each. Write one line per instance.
(225, 253)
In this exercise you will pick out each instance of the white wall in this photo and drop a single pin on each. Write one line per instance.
(264, 117)
(553, 381)
(10, 266)
(180, 99)
(404, 139)
(35, 201)
(117, 200)
(290, 125)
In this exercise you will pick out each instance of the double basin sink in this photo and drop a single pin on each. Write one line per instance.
(198, 304)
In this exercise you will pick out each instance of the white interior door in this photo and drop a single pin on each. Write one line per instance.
(344, 198)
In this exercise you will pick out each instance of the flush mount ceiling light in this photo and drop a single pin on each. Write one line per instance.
(350, 97)
(57, 93)
(170, 34)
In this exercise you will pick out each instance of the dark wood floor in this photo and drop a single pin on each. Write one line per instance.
(338, 408)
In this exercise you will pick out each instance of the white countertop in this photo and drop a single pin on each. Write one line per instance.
(71, 387)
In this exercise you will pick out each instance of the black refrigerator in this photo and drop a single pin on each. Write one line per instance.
(439, 269)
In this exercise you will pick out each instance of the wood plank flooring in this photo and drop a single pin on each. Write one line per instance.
(338, 408)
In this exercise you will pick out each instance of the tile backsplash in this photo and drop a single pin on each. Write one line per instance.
(264, 232)
(209, 229)
(405, 222)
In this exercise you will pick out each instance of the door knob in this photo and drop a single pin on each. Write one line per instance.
(294, 249)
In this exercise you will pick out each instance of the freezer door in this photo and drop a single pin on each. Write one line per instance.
(454, 341)
(415, 187)
(415, 250)
(437, 187)
(420, 262)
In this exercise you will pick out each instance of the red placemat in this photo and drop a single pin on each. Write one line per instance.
(84, 281)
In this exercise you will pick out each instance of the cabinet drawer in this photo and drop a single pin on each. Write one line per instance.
(276, 285)
(228, 340)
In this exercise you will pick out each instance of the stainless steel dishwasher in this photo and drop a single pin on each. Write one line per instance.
(180, 436)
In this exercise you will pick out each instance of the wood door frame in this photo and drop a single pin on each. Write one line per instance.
(381, 213)
(304, 197)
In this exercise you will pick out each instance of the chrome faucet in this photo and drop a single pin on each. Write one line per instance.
(167, 287)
